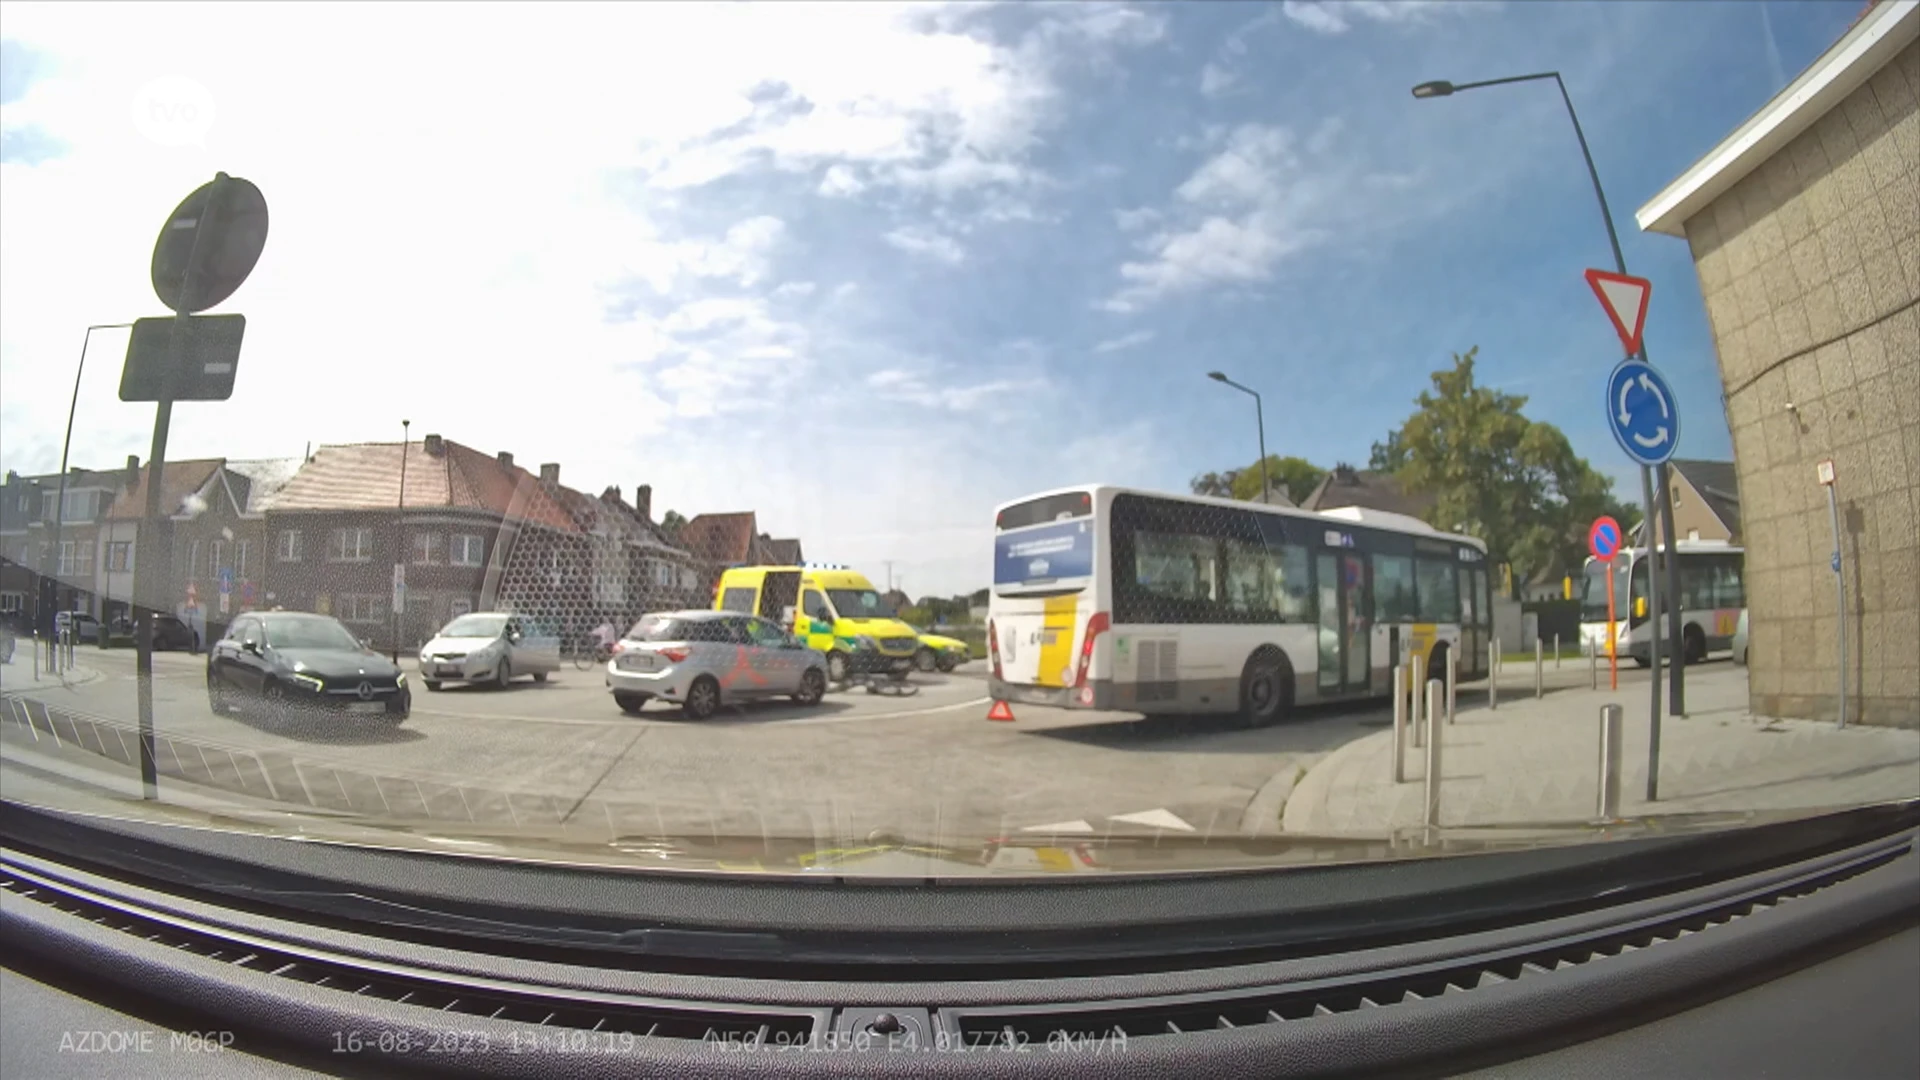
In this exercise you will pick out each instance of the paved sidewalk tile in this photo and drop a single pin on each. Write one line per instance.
(1538, 761)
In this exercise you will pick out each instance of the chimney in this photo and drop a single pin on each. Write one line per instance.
(612, 494)
(506, 459)
(550, 473)
(133, 469)
(434, 445)
(643, 502)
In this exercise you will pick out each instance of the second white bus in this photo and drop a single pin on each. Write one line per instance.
(1111, 598)
(1712, 595)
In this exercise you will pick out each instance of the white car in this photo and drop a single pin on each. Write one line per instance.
(489, 647)
(702, 660)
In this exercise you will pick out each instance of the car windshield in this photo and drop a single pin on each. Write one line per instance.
(860, 604)
(475, 626)
(309, 633)
(1115, 400)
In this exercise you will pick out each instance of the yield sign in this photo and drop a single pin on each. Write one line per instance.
(1625, 299)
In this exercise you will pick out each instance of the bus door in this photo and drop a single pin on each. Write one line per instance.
(1346, 610)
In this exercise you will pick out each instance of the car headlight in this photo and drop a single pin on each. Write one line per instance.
(867, 642)
(307, 682)
(400, 680)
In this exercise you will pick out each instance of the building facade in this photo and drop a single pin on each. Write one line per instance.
(1804, 227)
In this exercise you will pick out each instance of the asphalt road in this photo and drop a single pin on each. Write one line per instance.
(928, 767)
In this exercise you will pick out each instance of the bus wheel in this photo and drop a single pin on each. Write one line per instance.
(1695, 644)
(1266, 689)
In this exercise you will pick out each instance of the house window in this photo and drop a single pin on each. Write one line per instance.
(689, 579)
(119, 556)
(429, 548)
(193, 559)
(459, 606)
(289, 546)
(350, 545)
(76, 557)
(12, 603)
(469, 549)
(361, 608)
(242, 548)
(216, 557)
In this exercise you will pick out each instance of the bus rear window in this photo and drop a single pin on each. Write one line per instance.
(1074, 504)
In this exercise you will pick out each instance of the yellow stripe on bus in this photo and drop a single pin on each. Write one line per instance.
(1056, 640)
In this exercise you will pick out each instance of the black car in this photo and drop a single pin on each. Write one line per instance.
(293, 662)
(168, 633)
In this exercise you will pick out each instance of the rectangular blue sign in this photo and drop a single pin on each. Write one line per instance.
(1043, 554)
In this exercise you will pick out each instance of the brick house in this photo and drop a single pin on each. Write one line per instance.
(470, 527)
(618, 566)
(720, 541)
(188, 488)
(28, 558)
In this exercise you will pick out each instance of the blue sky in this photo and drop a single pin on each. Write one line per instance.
(867, 270)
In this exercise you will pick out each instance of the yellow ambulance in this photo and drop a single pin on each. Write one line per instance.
(834, 609)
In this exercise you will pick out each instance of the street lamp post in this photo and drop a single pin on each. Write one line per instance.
(400, 541)
(1663, 508)
(1259, 419)
(50, 583)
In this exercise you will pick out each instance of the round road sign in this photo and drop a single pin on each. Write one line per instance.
(1603, 539)
(220, 229)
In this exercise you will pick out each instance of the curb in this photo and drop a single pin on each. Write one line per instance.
(1314, 785)
(1262, 815)
(84, 676)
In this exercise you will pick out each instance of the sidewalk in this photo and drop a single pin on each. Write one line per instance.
(18, 675)
(1537, 761)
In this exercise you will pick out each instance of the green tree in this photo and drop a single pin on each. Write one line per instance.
(671, 524)
(1513, 482)
(1296, 475)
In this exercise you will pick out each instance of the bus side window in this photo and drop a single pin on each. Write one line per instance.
(1393, 598)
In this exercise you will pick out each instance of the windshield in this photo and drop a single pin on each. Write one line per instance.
(1194, 370)
(475, 626)
(1593, 590)
(860, 604)
(296, 633)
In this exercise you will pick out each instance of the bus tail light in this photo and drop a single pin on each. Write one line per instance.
(993, 648)
(1097, 624)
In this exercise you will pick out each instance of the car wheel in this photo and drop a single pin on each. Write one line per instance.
(629, 702)
(1263, 689)
(539, 676)
(503, 675)
(703, 698)
(1695, 645)
(813, 687)
(1642, 661)
(837, 667)
(946, 664)
(924, 660)
(433, 684)
(216, 699)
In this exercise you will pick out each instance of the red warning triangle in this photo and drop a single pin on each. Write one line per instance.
(1000, 711)
(1625, 299)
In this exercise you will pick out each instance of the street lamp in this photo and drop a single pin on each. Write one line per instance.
(1441, 88)
(1259, 418)
(52, 590)
(400, 542)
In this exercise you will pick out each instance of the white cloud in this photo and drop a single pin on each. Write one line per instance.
(919, 240)
(1136, 219)
(1216, 80)
(1244, 209)
(1124, 341)
(1328, 17)
(556, 237)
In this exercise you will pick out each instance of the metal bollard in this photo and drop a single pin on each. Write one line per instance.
(1556, 652)
(1399, 723)
(1436, 695)
(1609, 807)
(1418, 682)
(1593, 666)
(1453, 681)
(1493, 674)
(1539, 671)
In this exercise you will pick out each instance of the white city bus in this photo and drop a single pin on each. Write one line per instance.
(1712, 596)
(1111, 598)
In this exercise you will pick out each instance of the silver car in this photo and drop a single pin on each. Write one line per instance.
(701, 660)
(489, 647)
